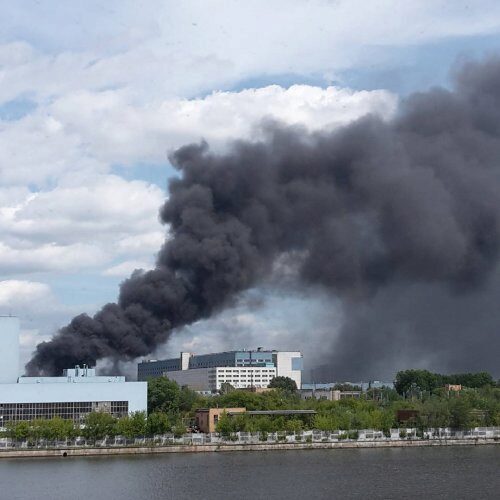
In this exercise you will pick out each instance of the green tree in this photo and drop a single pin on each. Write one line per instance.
(18, 430)
(52, 429)
(226, 388)
(225, 425)
(138, 423)
(284, 383)
(163, 395)
(98, 425)
(157, 423)
(179, 429)
(460, 414)
(123, 427)
(187, 399)
(420, 380)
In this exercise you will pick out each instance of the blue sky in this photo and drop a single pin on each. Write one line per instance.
(94, 96)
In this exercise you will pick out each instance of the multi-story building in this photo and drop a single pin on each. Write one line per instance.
(241, 369)
(72, 396)
(329, 394)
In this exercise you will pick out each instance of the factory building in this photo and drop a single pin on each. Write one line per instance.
(73, 395)
(242, 369)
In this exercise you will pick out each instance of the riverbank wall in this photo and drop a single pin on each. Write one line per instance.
(227, 447)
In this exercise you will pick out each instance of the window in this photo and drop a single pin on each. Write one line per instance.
(75, 411)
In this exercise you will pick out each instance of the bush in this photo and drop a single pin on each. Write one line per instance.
(98, 425)
(353, 435)
(179, 430)
(402, 433)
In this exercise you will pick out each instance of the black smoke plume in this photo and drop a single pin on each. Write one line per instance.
(398, 219)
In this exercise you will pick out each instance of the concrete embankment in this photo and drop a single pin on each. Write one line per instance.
(137, 450)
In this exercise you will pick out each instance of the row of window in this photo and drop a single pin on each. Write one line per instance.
(75, 411)
(249, 370)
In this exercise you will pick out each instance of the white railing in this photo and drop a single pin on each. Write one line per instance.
(310, 436)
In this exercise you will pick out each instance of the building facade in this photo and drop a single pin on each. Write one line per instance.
(72, 396)
(242, 369)
(329, 394)
(211, 379)
(206, 419)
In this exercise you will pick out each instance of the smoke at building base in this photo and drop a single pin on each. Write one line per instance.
(399, 220)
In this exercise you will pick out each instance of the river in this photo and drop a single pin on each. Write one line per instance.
(452, 472)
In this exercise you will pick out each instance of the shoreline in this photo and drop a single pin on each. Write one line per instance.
(227, 447)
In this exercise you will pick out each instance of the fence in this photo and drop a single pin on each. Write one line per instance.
(312, 436)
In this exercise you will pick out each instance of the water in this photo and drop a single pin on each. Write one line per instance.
(455, 473)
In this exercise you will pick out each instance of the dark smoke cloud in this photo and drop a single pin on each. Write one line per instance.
(400, 220)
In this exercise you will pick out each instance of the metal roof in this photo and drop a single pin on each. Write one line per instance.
(282, 412)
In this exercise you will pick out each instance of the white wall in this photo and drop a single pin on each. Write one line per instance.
(185, 357)
(9, 349)
(284, 361)
(243, 377)
(133, 392)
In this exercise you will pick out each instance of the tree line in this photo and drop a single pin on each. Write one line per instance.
(424, 380)
(171, 409)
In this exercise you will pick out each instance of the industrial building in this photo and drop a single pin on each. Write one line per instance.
(242, 369)
(73, 395)
(206, 419)
(329, 394)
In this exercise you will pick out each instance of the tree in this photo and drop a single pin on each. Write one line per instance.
(225, 425)
(417, 380)
(52, 429)
(460, 414)
(18, 430)
(163, 395)
(226, 388)
(98, 425)
(285, 383)
(157, 423)
(424, 380)
(187, 399)
(123, 427)
(138, 423)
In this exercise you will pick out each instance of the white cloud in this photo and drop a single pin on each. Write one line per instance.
(16, 293)
(166, 48)
(76, 226)
(81, 216)
(43, 258)
(125, 269)
(39, 310)
(116, 131)
(86, 132)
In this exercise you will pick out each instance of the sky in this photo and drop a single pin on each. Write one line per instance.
(94, 96)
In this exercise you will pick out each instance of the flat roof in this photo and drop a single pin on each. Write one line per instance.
(281, 412)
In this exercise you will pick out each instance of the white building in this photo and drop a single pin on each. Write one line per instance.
(242, 369)
(211, 379)
(78, 392)
(289, 364)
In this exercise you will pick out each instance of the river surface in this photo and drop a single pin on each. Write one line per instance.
(454, 472)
